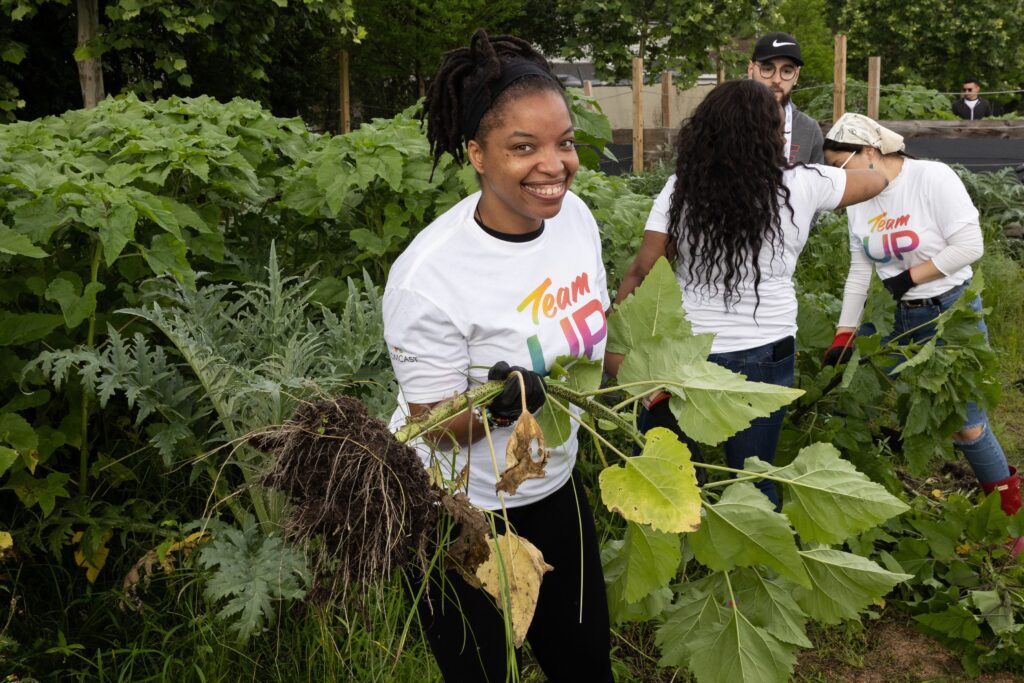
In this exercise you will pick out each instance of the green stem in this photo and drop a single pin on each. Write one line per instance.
(441, 413)
(726, 482)
(595, 409)
(83, 453)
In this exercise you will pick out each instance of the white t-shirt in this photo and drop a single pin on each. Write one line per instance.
(812, 189)
(913, 220)
(458, 301)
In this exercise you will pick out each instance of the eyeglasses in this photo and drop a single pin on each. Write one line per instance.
(787, 72)
(852, 154)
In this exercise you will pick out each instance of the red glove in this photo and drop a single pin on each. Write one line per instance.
(841, 349)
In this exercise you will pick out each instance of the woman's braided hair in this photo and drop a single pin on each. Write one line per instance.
(469, 68)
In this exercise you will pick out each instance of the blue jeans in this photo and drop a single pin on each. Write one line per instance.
(984, 454)
(761, 438)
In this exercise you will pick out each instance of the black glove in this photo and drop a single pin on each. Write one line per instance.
(898, 285)
(841, 349)
(508, 404)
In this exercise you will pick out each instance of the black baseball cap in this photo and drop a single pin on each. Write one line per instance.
(777, 44)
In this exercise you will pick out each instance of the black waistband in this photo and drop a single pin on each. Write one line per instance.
(931, 301)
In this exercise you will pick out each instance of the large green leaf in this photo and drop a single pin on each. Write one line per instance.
(644, 561)
(17, 244)
(158, 210)
(827, 499)
(770, 606)
(117, 231)
(710, 402)
(41, 492)
(22, 328)
(654, 308)
(743, 529)
(167, 254)
(8, 456)
(657, 487)
(842, 584)
(697, 610)
(18, 433)
(738, 651)
(75, 306)
(955, 622)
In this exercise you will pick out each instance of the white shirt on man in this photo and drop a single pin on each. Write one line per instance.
(739, 326)
(459, 300)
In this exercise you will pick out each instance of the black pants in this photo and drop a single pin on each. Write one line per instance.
(465, 627)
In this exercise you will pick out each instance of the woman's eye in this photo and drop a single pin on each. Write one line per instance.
(568, 144)
(523, 148)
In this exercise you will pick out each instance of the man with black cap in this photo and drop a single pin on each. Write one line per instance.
(776, 63)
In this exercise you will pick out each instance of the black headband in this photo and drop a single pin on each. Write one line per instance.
(476, 103)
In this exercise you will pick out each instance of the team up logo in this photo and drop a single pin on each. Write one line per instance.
(896, 238)
(584, 326)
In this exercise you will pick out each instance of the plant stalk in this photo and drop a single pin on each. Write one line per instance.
(443, 412)
(83, 453)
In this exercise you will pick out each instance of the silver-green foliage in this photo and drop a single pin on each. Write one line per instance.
(253, 573)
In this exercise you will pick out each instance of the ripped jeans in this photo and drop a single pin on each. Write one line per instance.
(984, 453)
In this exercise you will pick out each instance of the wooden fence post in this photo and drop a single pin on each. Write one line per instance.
(874, 86)
(638, 115)
(345, 122)
(666, 99)
(839, 87)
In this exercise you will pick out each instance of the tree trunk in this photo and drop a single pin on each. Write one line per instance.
(90, 71)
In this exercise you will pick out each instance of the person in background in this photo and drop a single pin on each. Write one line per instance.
(921, 235)
(733, 220)
(971, 106)
(462, 306)
(776, 63)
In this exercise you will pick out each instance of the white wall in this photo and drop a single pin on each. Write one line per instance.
(617, 103)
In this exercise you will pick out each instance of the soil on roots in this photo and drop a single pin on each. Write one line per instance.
(362, 499)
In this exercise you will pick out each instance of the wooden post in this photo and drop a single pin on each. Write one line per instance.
(345, 122)
(588, 89)
(638, 115)
(666, 99)
(90, 71)
(720, 72)
(874, 86)
(839, 87)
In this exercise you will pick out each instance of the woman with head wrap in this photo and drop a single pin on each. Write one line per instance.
(921, 235)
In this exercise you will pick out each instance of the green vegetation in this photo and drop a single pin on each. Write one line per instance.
(178, 274)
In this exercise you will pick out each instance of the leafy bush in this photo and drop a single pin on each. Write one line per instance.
(897, 102)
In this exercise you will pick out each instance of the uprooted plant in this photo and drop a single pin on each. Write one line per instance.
(742, 621)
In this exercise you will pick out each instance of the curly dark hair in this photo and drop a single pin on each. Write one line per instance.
(728, 195)
(469, 68)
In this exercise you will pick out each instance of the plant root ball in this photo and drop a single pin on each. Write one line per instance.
(362, 500)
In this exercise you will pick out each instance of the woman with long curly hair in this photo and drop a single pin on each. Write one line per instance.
(732, 220)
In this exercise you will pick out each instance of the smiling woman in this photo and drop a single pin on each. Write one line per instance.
(497, 288)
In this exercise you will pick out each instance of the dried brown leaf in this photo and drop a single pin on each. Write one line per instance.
(519, 462)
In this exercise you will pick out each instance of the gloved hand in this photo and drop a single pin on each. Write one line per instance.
(898, 285)
(508, 404)
(841, 349)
